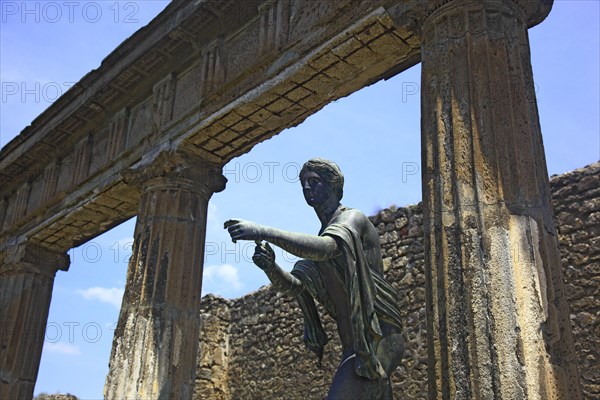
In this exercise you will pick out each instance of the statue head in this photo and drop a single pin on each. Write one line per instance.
(329, 175)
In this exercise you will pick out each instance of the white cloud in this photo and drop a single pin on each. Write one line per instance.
(62, 348)
(106, 295)
(213, 213)
(222, 276)
(214, 222)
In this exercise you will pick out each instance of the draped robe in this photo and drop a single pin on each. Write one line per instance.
(371, 299)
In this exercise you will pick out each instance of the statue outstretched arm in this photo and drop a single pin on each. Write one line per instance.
(316, 248)
(283, 281)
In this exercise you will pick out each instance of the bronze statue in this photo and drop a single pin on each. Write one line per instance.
(342, 269)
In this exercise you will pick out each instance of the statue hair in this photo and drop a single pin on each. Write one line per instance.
(328, 171)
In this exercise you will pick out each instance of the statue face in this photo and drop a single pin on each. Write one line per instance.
(316, 191)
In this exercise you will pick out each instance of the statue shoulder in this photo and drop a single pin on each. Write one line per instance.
(355, 218)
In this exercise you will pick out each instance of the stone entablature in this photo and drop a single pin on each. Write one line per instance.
(209, 78)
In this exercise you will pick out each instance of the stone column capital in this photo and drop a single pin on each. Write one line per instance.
(32, 258)
(415, 14)
(27, 273)
(161, 303)
(178, 169)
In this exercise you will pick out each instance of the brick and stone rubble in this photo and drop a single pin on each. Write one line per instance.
(576, 202)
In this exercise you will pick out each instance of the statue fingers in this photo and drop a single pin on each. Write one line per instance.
(260, 250)
(238, 235)
(264, 248)
(236, 231)
(231, 222)
(234, 234)
(269, 248)
(260, 259)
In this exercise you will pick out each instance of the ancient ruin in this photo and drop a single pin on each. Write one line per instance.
(203, 83)
(232, 330)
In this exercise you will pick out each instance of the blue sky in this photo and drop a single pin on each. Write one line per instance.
(373, 135)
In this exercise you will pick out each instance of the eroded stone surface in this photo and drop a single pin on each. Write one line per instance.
(210, 78)
(56, 396)
(153, 355)
(498, 316)
(212, 373)
(26, 280)
(576, 202)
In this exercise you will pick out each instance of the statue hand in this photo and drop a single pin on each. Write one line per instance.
(244, 230)
(264, 256)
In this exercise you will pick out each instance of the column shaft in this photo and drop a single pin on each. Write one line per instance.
(26, 281)
(156, 340)
(498, 321)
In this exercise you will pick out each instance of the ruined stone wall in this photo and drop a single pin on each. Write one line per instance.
(576, 202)
(401, 236)
(251, 347)
(213, 353)
(267, 357)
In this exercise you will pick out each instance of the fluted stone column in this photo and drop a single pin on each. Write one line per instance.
(26, 280)
(156, 340)
(498, 321)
